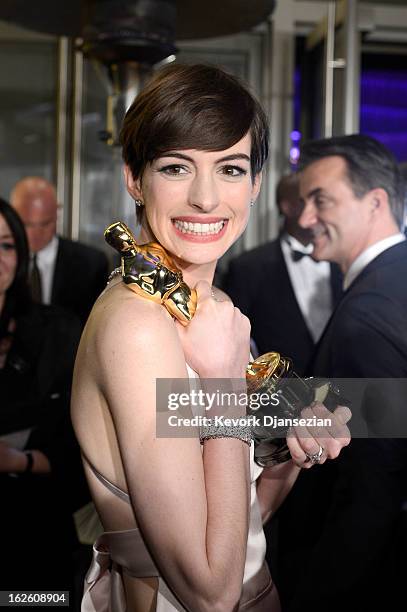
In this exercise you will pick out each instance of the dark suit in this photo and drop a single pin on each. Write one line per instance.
(259, 284)
(340, 537)
(38, 537)
(80, 275)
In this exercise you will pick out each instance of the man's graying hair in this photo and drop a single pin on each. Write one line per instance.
(369, 163)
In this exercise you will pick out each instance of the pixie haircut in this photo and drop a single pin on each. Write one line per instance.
(192, 107)
(369, 165)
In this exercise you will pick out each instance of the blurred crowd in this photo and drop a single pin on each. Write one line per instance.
(48, 285)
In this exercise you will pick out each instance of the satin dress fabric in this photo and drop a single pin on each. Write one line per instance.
(118, 552)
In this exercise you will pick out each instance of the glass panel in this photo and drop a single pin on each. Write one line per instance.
(383, 109)
(103, 196)
(338, 120)
(28, 73)
(236, 62)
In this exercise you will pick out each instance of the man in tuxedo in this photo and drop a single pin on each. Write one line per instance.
(62, 272)
(339, 545)
(286, 294)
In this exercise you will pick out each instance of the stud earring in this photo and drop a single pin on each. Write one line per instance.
(251, 203)
(138, 202)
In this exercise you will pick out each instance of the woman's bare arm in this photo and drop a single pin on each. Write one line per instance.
(273, 487)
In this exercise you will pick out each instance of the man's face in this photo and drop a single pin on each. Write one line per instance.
(292, 209)
(339, 221)
(39, 215)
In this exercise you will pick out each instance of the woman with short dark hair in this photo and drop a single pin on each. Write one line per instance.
(192, 107)
(182, 519)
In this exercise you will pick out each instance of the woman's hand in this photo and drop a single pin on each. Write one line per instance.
(216, 342)
(305, 443)
(11, 459)
(276, 481)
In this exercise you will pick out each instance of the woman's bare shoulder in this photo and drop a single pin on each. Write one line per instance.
(120, 306)
(123, 318)
(130, 342)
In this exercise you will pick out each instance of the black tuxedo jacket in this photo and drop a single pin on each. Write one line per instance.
(259, 284)
(80, 275)
(340, 531)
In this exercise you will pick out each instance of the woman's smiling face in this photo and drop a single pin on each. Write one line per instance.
(197, 202)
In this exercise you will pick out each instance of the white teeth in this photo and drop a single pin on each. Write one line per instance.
(201, 229)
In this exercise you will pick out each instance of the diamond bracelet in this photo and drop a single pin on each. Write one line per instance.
(241, 432)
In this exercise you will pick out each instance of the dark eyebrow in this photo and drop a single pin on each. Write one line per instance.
(177, 155)
(232, 157)
(315, 192)
(3, 236)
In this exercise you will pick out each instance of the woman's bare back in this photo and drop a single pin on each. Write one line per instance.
(91, 415)
(95, 431)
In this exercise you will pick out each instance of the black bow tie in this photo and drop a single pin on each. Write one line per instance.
(298, 255)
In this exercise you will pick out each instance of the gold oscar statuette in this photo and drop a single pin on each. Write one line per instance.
(150, 272)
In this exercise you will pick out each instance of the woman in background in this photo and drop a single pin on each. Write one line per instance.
(39, 460)
(183, 519)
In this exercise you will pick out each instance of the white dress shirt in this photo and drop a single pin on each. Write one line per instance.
(368, 255)
(46, 259)
(310, 280)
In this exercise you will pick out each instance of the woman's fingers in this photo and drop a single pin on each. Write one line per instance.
(324, 440)
(203, 291)
(336, 430)
(298, 452)
(343, 414)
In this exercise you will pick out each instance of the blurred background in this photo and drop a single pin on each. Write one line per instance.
(68, 73)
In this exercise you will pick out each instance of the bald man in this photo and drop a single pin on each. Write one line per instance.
(71, 274)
